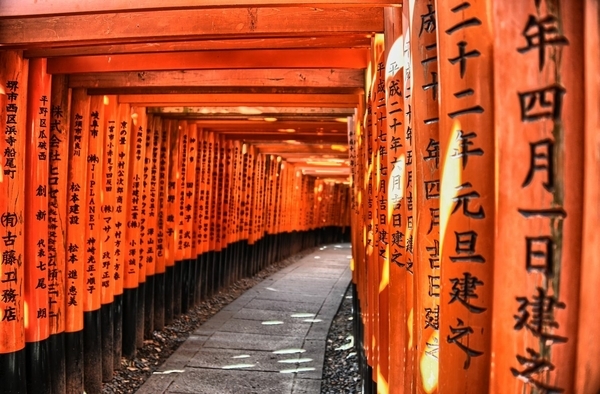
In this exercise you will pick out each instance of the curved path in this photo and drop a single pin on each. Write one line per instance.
(271, 339)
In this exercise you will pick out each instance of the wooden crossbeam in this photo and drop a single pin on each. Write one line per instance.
(329, 41)
(16, 8)
(286, 127)
(281, 100)
(338, 78)
(224, 90)
(257, 137)
(332, 58)
(151, 26)
(210, 111)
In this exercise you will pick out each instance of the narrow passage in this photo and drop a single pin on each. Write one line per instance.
(271, 339)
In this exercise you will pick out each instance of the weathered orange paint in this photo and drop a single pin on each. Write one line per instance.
(162, 197)
(172, 188)
(424, 94)
(76, 198)
(36, 202)
(57, 202)
(92, 208)
(123, 143)
(588, 369)
(108, 196)
(539, 139)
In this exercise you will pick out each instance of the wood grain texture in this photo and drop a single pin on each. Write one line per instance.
(209, 23)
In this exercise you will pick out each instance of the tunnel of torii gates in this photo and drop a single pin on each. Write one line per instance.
(472, 144)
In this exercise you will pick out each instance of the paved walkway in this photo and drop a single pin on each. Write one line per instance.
(270, 340)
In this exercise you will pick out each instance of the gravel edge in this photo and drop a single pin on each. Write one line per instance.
(340, 367)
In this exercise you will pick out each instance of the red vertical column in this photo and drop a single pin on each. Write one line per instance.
(107, 235)
(149, 218)
(57, 227)
(408, 202)
(197, 254)
(133, 124)
(466, 194)
(122, 200)
(137, 217)
(381, 241)
(37, 329)
(399, 269)
(182, 146)
(540, 134)
(426, 180)
(141, 135)
(189, 217)
(588, 344)
(207, 222)
(13, 82)
(161, 224)
(170, 223)
(76, 198)
(92, 341)
(201, 200)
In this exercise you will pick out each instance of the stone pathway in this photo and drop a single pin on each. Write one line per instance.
(270, 340)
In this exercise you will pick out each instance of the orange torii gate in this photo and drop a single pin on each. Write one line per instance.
(474, 196)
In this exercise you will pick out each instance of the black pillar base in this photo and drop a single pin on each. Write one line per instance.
(177, 283)
(159, 301)
(38, 368)
(129, 320)
(169, 284)
(56, 350)
(149, 307)
(140, 311)
(108, 342)
(92, 351)
(74, 362)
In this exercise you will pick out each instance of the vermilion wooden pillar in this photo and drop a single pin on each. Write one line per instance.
(189, 212)
(13, 81)
(170, 223)
(122, 200)
(92, 337)
(199, 213)
(539, 134)
(368, 339)
(138, 218)
(149, 213)
(130, 120)
(57, 226)
(408, 197)
(179, 289)
(380, 209)
(161, 224)
(466, 192)
(426, 180)
(108, 239)
(228, 192)
(37, 329)
(588, 346)
(399, 270)
(208, 220)
(76, 242)
(202, 219)
(140, 131)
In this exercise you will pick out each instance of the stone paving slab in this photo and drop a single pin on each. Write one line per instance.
(234, 352)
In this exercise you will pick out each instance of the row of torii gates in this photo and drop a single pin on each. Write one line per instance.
(473, 205)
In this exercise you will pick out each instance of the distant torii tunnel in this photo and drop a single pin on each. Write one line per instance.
(473, 148)
(114, 221)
